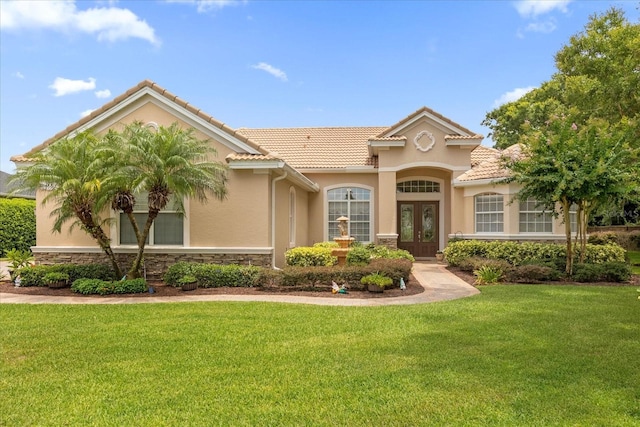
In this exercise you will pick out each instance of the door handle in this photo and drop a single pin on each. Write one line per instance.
(419, 236)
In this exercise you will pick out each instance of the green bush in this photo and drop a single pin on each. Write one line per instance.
(215, 275)
(17, 224)
(18, 259)
(629, 240)
(377, 279)
(488, 275)
(604, 272)
(532, 273)
(359, 256)
(102, 287)
(305, 256)
(54, 277)
(34, 275)
(522, 253)
(327, 245)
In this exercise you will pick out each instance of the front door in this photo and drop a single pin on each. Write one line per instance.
(418, 228)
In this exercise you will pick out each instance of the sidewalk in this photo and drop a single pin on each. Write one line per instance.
(439, 285)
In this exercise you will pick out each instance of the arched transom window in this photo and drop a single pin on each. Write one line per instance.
(418, 186)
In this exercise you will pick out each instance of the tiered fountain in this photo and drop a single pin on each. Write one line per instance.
(343, 241)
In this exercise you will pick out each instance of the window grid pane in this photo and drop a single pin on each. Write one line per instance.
(489, 213)
(167, 229)
(533, 219)
(418, 186)
(355, 204)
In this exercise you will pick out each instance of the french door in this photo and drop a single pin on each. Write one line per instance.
(418, 230)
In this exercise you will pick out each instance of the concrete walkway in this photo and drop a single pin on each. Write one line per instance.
(439, 285)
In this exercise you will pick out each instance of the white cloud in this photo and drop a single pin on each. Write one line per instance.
(541, 27)
(107, 23)
(86, 113)
(533, 8)
(512, 95)
(19, 75)
(103, 93)
(64, 86)
(204, 6)
(275, 72)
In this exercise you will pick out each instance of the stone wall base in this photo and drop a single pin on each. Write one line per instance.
(155, 264)
(389, 242)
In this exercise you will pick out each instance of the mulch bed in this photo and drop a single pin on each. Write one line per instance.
(162, 290)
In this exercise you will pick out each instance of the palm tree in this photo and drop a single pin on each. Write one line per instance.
(72, 174)
(169, 163)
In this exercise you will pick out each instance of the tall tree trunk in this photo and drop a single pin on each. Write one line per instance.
(134, 271)
(104, 242)
(567, 229)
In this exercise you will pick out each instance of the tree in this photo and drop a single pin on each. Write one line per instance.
(167, 163)
(598, 77)
(72, 174)
(565, 165)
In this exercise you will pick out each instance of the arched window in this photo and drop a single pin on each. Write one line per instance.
(418, 186)
(355, 204)
(489, 213)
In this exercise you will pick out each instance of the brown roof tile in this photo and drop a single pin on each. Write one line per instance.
(492, 168)
(315, 148)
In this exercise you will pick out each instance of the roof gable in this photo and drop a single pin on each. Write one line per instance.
(448, 126)
(144, 92)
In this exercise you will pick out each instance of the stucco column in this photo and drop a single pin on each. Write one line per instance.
(387, 233)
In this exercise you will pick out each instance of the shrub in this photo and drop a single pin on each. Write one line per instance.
(487, 275)
(522, 253)
(187, 279)
(34, 275)
(305, 256)
(55, 277)
(359, 256)
(103, 287)
(326, 245)
(18, 259)
(532, 273)
(604, 272)
(17, 224)
(214, 275)
(377, 279)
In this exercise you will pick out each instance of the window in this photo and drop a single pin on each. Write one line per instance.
(418, 186)
(355, 204)
(292, 217)
(489, 213)
(533, 219)
(167, 229)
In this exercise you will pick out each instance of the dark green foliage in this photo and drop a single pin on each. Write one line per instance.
(102, 287)
(214, 275)
(34, 276)
(532, 273)
(321, 277)
(376, 279)
(605, 272)
(54, 277)
(17, 224)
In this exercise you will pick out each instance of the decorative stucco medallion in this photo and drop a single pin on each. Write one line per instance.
(428, 135)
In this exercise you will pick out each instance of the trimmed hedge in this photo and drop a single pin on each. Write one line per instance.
(305, 256)
(34, 275)
(521, 253)
(103, 287)
(17, 224)
(605, 272)
(214, 275)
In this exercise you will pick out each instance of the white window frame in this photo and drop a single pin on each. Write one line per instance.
(499, 222)
(532, 210)
(371, 208)
(120, 216)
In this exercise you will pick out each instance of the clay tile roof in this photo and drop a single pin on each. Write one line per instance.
(470, 137)
(317, 148)
(492, 168)
(251, 157)
(482, 153)
(118, 99)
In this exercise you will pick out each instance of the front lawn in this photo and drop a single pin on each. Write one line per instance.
(514, 355)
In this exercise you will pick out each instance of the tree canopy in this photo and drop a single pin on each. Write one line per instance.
(597, 77)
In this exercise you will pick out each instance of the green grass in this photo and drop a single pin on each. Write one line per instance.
(634, 257)
(514, 355)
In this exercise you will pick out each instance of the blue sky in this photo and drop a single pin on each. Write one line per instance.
(278, 63)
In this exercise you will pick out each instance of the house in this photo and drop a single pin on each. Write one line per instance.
(412, 185)
(6, 188)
